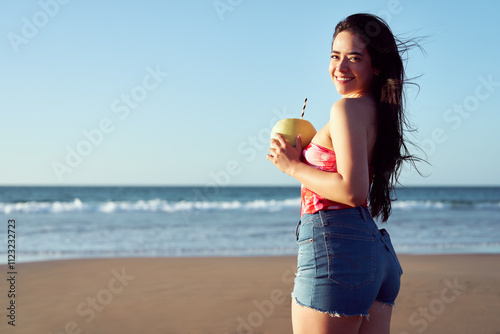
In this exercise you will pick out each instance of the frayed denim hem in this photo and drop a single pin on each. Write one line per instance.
(386, 303)
(332, 314)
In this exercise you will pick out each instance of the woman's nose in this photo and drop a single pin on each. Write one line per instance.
(342, 65)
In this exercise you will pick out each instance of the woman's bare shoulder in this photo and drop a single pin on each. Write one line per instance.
(361, 108)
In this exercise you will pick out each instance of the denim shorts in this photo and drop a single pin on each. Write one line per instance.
(345, 263)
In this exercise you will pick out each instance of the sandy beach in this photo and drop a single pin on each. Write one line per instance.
(439, 294)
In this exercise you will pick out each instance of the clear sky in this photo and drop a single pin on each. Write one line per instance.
(185, 92)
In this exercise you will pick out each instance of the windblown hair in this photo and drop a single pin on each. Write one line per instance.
(390, 150)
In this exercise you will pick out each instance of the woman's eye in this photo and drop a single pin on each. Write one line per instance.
(354, 59)
(334, 57)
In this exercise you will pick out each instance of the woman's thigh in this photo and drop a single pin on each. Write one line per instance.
(306, 320)
(379, 321)
(309, 321)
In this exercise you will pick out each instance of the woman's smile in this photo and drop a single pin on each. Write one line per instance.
(343, 80)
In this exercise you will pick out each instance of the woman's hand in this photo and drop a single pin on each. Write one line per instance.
(283, 155)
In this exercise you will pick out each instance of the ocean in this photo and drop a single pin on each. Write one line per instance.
(96, 222)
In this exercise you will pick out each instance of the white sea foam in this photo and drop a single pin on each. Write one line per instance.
(154, 205)
(160, 205)
(412, 205)
(442, 205)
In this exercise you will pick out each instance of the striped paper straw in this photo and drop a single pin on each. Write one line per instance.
(303, 109)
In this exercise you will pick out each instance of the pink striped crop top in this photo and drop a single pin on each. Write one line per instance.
(324, 159)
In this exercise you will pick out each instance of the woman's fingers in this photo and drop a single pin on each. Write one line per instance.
(283, 141)
(274, 143)
(298, 143)
(280, 140)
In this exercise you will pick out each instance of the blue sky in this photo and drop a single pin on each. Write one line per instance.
(185, 92)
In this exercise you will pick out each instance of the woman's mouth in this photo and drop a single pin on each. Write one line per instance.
(343, 80)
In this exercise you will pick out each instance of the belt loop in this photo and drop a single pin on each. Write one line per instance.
(297, 230)
(363, 212)
(322, 217)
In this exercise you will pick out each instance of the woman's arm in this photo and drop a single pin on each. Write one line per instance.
(351, 129)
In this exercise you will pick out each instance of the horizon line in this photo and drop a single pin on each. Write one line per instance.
(234, 185)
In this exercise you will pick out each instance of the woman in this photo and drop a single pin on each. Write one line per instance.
(348, 274)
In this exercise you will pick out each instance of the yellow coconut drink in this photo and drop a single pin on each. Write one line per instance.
(290, 128)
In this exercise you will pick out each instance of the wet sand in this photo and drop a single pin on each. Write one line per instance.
(439, 294)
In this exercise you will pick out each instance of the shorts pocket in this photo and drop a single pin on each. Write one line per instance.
(351, 259)
(386, 239)
(305, 257)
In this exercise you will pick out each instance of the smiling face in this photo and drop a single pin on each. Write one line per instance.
(350, 67)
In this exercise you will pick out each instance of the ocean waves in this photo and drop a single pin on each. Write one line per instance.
(161, 205)
(92, 222)
(443, 205)
(154, 205)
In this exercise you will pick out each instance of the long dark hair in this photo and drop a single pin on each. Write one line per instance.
(390, 150)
